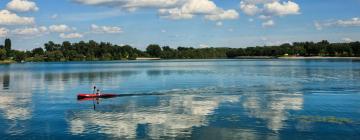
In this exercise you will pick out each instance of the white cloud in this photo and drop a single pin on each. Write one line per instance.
(133, 4)
(348, 23)
(204, 46)
(4, 32)
(189, 9)
(22, 6)
(263, 17)
(174, 14)
(346, 39)
(282, 9)
(171, 9)
(266, 10)
(105, 29)
(33, 31)
(258, 1)
(199, 7)
(223, 15)
(61, 28)
(71, 35)
(249, 9)
(8, 18)
(268, 23)
(353, 22)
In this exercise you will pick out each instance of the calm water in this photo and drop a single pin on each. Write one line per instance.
(198, 99)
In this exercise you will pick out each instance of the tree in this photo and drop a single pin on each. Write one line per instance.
(7, 47)
(19, 55)
(2, 54)
(38, 51)
(50, 46)
(7, 44)
(154, 50)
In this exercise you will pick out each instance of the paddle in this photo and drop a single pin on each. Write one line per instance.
(93, 98)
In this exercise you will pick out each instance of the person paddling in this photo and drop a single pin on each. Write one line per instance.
(98, 92)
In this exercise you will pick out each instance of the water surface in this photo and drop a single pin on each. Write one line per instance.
(195, 99)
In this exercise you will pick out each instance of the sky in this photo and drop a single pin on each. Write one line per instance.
(195, 23)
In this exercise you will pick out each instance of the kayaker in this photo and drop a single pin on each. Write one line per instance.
(98, 92)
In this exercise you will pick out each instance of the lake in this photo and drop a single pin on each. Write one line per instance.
(182, 99)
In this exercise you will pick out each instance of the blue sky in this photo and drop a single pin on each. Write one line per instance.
(197, 23)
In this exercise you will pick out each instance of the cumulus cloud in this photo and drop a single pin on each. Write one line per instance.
(8, 18)
(133, 4)
(267, 9)
(353, 22)
(22, 6)
(4, 32)
(71, 35)
(171, 9)
(199, 7)
(174, 14)
(33, 31)
(61, 28)
(249, 9)
(223, 15)
(268, 23)
(282, 9)
(105, 29)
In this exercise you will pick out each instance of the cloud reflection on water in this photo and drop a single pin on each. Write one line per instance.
(174, 116)
(15, 105)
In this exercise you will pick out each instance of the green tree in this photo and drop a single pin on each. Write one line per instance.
(38, 51)
(2, 54)
(7, 44)
(154, 50)
(19, 56)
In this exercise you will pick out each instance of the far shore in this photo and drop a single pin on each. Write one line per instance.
(7, 61)
(147, 58)
(316, 57)
(240, 57)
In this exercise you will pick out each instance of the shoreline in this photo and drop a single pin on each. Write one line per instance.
(317, 57)
(4, 62)
(147, 58)
(7, 62)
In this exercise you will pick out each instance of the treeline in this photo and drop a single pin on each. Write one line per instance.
(92, 51)
(81, 51)
(323, 48)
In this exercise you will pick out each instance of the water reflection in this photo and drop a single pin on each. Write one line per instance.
(201, 100)
(173, 116)
(273, 108)
(15, 106)
(176, 115)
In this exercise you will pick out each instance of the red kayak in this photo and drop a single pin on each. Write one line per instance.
(83, 96)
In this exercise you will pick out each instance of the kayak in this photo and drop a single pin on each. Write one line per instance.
(82, 96)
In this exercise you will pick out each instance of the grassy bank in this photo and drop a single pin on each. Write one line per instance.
(7, 61)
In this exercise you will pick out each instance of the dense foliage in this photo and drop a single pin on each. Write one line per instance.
(91, 50)
(323, 48)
